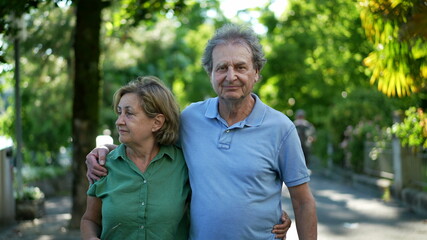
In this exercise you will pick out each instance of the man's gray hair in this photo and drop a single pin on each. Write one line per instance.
(231, 33)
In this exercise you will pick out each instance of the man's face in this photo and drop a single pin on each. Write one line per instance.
(233, 75)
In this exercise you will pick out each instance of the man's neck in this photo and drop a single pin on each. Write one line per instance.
(236, 111)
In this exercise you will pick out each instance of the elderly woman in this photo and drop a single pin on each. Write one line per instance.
(145, 194)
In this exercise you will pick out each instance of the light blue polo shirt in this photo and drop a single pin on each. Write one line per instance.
(236, 172)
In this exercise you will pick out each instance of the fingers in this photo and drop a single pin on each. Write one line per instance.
(286, 220)
(99, 170)
(102, 153)
(280, 230)
(92, 177)
(280, 233)
(94, 169)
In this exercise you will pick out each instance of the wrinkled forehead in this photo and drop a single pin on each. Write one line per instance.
(234, 42)
(236, 49)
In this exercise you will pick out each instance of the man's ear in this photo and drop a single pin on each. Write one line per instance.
(257, 76)
(159, 120)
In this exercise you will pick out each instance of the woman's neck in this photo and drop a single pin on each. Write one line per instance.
(142, 155)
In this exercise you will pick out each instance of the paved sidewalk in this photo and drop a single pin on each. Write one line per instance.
(52, 226)
(348, 212)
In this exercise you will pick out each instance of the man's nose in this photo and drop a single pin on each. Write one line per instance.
(231, 74)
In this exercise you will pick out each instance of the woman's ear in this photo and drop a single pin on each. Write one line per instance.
(159, 120)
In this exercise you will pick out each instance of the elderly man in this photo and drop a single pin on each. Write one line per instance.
(238, 150)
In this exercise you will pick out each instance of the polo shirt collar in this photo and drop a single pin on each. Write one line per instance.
(120, 152)
(254, 119)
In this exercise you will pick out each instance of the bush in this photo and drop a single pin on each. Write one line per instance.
(29, 193)
(412, 131)
(354, 143)
(31, 173)
(365, 112)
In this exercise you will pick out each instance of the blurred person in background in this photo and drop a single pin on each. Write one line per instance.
(306, 133)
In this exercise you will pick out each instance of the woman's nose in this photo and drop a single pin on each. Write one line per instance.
(119, 119)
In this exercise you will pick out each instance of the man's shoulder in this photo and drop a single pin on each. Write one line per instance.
(278, 117)
(195, 107)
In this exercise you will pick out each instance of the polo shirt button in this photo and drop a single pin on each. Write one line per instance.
(142, 203)
(227, 131)
(145, 181)
(142, 227)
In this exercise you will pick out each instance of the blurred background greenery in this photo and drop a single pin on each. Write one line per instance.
(349, 64)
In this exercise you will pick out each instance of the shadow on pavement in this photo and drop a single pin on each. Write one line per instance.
(52, 226)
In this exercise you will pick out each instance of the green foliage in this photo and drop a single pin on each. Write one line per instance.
(45, 82)
(15, 8)
(159, 49)
(6, 122)
(171, 49)
(397, 29)
(11, 22)
(29, 193)
(353, 144)
(363, 113)
(314, 56)
(360, 105)
(320, 146)
(132, 12)
(412, 131)
(34, 173)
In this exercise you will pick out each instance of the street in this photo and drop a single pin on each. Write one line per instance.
(350, 213)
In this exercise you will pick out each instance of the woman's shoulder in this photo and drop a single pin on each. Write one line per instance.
(173, 151)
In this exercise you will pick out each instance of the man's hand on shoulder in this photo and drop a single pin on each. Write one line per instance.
(95, 162)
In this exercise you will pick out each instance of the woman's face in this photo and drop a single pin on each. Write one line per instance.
(133, 125)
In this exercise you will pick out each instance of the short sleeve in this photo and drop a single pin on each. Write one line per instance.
(95, 189)
(291, 161)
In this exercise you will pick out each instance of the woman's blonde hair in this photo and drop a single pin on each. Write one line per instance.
(155, 98)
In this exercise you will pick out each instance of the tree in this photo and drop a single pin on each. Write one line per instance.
(86, 74)
(87, 80)
(46, 95)
(86, 97)
(314, 56)
(397, 28)
(170, 48)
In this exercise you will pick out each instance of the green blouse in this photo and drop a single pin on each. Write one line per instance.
(150, 205)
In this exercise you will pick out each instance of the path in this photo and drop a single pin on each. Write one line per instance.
(349, 213)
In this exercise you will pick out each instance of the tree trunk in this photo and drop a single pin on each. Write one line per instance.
(86, 97)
